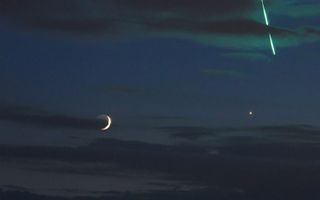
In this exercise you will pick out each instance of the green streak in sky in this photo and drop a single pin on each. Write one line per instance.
(265, 13)
(271, 43)
(267, 23)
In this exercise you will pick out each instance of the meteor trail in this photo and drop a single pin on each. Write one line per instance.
(271, 43)
(267, 23)
(265, 13)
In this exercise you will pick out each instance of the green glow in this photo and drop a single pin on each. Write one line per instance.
(267, 23)
(271, 43)
(265, 13)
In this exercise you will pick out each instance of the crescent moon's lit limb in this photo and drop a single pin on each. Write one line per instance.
(109, 122)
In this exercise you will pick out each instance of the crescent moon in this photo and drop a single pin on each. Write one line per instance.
(109, 122)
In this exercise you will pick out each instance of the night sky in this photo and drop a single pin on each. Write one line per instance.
(179, 79)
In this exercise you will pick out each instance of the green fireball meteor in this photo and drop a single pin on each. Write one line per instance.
(267, 23)
(265, 13)
(271, 43)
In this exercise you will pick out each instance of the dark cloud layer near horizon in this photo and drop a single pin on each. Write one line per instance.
(203, 194)
(224, 23)
(193, 165)
(293, 131)
(45, 119)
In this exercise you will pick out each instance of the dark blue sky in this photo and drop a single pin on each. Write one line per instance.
(178, 79)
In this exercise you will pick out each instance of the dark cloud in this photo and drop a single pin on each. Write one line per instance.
(191, 8)
(16, 194)
(159, 195)
(228, 23)
(82, 27)
(15, 187)
(296, 133)
(287, 142)
(105, 150)
(251, 56)
(204, 194)
(303, 129)
(231, 27)
(254, 147)
(45, 119)
(312, 31)
(137, 8)
(193, 165)
(188, 132)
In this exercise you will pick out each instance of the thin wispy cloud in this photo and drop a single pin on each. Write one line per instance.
(45, 119)
(228, 24)
(294, 134)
